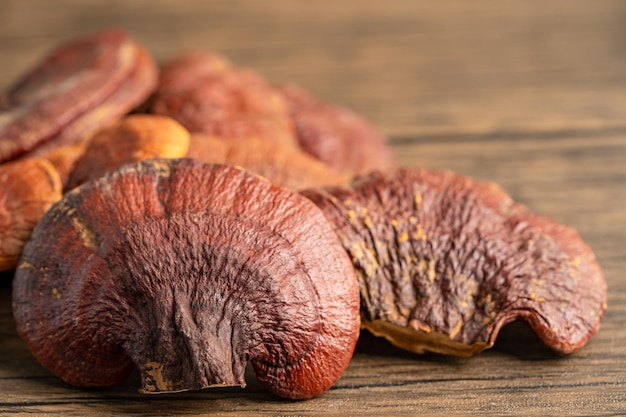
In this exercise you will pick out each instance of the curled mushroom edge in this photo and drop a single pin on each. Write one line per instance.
(445, 261)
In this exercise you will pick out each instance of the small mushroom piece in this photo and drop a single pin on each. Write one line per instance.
(28, 188)
(444, 261)
(285, 167)
(336, 135)
(207, 95)
(187, 271)
(79, 87)
(133, 139)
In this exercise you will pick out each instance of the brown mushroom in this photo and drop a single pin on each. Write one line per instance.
(335, 135)
(140, 137)
(133, 91)
(207, 95)
(133, 139)
(187, 271)
(283, 166)
(28, 187)
(81, 86)
(183, 72)
(444, 261)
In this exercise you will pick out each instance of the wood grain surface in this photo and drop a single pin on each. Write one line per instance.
(529, 94)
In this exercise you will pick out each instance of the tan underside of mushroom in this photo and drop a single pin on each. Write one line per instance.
(419, 341)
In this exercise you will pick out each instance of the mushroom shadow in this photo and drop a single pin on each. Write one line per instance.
(518, 339)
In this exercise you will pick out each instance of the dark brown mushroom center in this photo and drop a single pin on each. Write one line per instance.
(187, 271)
(234, 299)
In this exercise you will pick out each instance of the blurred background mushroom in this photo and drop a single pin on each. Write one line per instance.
(28, 188)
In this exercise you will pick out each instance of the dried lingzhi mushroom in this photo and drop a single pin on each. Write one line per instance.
(187, 271)
(81, 86)
(139, 137)
(335, 135)
(443, 262)
(28, 187)
(207, 95)
(286, 167)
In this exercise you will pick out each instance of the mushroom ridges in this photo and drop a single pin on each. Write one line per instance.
(79, 87)
(187, 271)
(444, 261)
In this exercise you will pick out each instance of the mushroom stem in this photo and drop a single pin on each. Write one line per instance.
(186, 357)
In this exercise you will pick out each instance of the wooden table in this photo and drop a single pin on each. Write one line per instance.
(529, 94)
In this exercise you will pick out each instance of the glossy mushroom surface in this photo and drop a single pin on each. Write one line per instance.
(79, 87)
(28, 187)
(444, 261)
(187, 271)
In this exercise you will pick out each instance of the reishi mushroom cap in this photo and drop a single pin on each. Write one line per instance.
(128, 96)
(444, 261)
(336, 135)
(80, 86)
(28, 188)
(187, 271)
(207, 95)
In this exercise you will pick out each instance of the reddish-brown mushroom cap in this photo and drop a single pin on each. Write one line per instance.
(285, 167)
(133, 91)
(183, 72)
(207, 95)
(81, 86)
(335, 135)
(187, 271)
(443, 262)
(133, 139)
(27, 189)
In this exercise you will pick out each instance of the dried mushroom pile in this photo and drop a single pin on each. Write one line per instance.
(188, 219)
